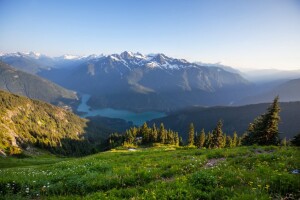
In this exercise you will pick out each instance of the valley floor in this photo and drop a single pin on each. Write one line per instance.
(156, 173)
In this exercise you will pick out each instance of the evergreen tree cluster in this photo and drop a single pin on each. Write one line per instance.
(214, 139)
(264, 129)
(144, 135)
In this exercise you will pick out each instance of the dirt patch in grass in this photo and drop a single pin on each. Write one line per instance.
(213, 162)
(260, 151)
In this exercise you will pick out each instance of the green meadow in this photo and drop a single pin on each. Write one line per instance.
(163, 172)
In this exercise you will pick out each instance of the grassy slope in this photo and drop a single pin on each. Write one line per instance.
(245, 173)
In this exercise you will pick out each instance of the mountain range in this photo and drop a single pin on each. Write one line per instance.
(147, 82)
(137, 82)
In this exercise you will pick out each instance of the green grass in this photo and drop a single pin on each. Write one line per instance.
(32, 161)
(157, 173)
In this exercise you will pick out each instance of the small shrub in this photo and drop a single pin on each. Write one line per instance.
(203, 180)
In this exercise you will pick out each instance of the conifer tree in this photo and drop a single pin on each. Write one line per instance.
(264, 129)
(176, 139)
(145, 133)
(217, 139)
(162, 134)
(234, 139)
(180, 141)
(129, 138)
(271, 121)
(284, 142)
(191, 135)
(202, 139)
(228, 141)
(170, 137)
(223, 144)
(154, 133)
(208, 140)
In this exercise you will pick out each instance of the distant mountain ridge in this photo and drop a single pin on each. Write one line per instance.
(235, 118)
(288, 91)
(269, 75)
(32, 86)
(35, 62)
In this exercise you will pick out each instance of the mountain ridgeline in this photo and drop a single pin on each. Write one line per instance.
(288, 91)
(19, 82)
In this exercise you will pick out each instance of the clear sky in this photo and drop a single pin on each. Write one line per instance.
(239, 33)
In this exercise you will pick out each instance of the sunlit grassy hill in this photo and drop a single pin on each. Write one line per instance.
(157, 173)
(27, 123)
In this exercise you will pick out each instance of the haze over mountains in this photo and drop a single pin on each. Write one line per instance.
(270, 75)
(288, 91)
(32, 86)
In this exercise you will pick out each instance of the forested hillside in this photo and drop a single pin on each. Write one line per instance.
(26, 123)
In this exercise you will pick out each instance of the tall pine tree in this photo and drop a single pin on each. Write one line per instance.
(234, 139)
(191, 135)
(217, 139)
(264, 129)
(200, 139)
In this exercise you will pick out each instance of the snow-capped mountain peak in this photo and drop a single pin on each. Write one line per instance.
(30, 54)
(33, 54)
(70, 57)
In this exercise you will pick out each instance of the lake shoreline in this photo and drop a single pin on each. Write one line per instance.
(137, 118)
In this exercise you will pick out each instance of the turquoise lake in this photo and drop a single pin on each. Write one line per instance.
(135, 118)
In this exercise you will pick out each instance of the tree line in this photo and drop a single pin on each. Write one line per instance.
(262, 131)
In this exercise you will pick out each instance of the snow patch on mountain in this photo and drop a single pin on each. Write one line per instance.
(70, 57)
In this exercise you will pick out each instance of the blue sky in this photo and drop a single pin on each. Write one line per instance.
(239, 33)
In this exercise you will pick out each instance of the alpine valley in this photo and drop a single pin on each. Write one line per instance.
(153, 85)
